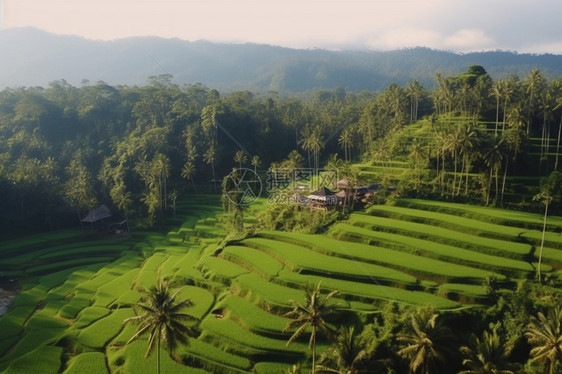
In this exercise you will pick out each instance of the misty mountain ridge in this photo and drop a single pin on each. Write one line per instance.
(31, 57)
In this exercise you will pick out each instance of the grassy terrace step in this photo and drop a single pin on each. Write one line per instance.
(428, 248)
(441, 235)
(255, 287)
(253, 259)
(45, 360)
(130, 360)
(212, 358)
(38, 241)
(69, 249)
(474, 227)
(103, 330)
(487, 214)
(363, 254)
(87, 363)
(508, 249)
(252, 317)
(220, 270)
(371, 292)
(298, 258)
(227, 330)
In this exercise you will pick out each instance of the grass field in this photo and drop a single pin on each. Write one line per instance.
(77, 289)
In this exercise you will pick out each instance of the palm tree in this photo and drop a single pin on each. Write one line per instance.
(497, 92)
(311, 315)
(424, 341)
(161, 319)
(558, 106)
(417, 155)
(494, 158)
(256, 163)
(486, 356)
(414, 91)
(544, 333)
(515, 134)
(313, 142)
(334, 163)
(453, 145)
(210, 157)
(545, 197)
(188, 171)
(346, 141)
(293, 162)
(240, 157)
(348, 355)
(535, 83)
(468, 141)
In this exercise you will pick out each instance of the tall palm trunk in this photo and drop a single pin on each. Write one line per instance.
(454, 176)
(504, 178)
(497, 115)
(158, 351)
(313, 347)
(542, 242)
(558, 144)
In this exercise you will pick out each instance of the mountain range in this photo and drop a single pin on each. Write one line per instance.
(31, 57)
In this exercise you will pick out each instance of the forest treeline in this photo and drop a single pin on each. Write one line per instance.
(65, 149)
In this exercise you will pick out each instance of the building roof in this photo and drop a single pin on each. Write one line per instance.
(322, 191)
(97, 214)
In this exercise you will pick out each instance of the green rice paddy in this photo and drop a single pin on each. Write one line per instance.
(77, 289)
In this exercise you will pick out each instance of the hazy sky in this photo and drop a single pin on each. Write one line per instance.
(462, 26)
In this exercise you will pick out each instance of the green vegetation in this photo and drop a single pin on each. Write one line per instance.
(401, 271)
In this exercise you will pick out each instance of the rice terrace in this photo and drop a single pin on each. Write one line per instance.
(176, 229)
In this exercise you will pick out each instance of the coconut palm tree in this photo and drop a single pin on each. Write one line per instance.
(311, 315)
(414, 91)
(240, 157)
(417, 156)
(188, 171)
(486, 356)
(312, 142)
(424, 342)
(161, 317)
(545, 198)
(535, 84)
(544, 333)
(349, 354)
(468, 141)
(210, 157)
(256, 163)
(494, 159)
(346, 141)
(497, 92)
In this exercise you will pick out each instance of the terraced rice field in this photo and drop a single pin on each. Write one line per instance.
(77, 290)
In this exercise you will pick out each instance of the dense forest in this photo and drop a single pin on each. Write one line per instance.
(65, 149)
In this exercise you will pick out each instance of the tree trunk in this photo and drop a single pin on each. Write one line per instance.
(466, 180)
(313, 347)
(504, 177)
(542, 242)
(497, 115)
(454, 176)
(558, 144)
(158, 352)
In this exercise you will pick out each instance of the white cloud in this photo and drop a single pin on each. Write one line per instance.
(466, 40)
(403, 38)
